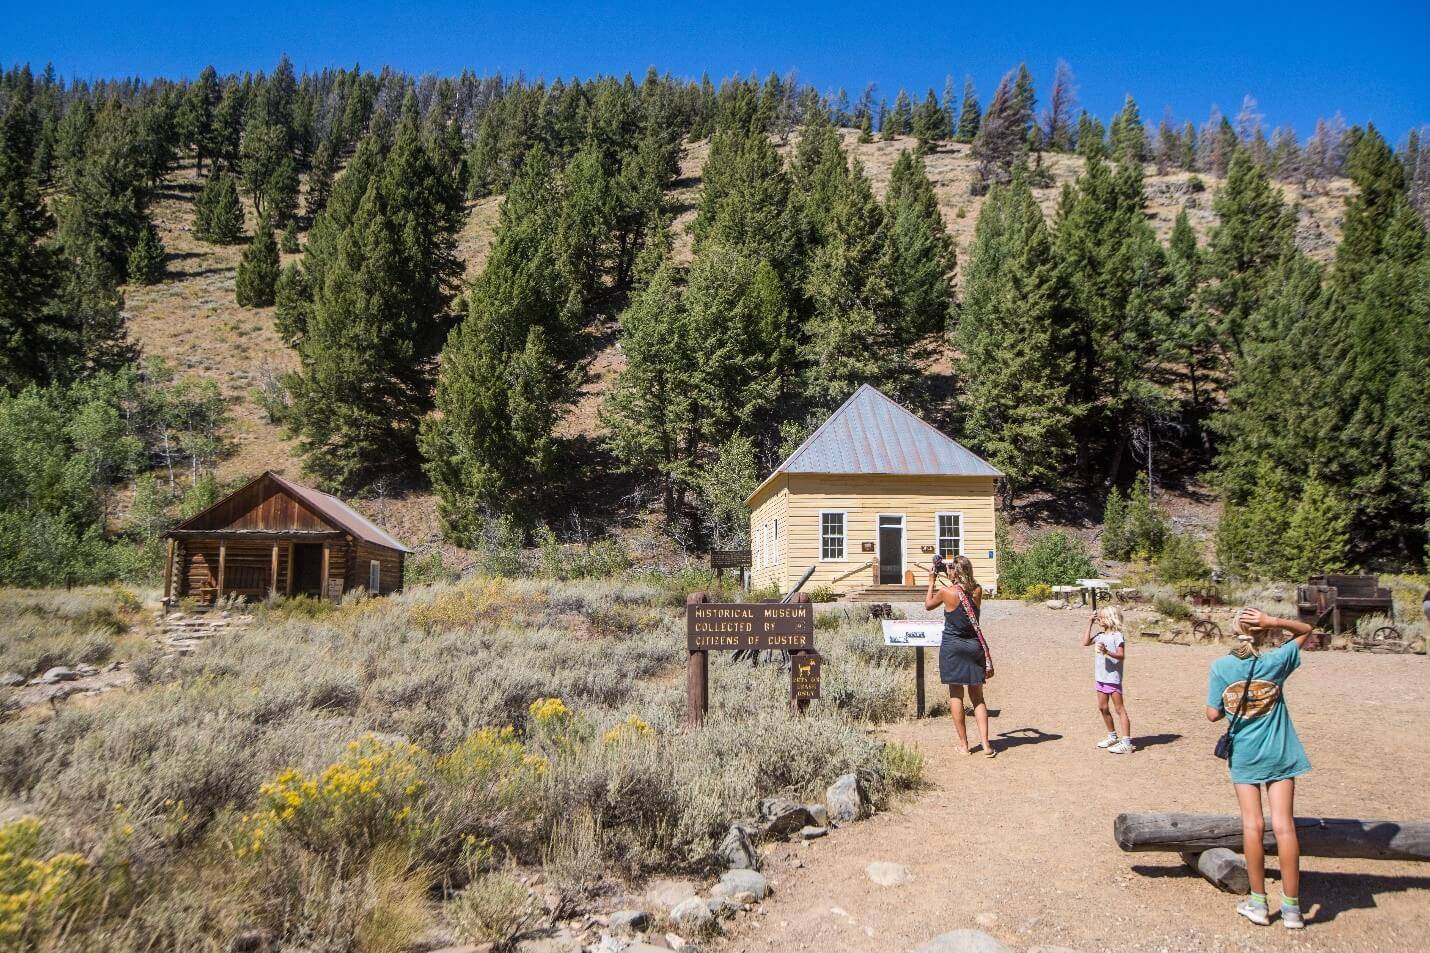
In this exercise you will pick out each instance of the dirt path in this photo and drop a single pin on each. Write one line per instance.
(1021, 846)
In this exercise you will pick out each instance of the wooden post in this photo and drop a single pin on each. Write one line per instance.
(323, 587)
(273, 578)
(697, 677)
(919, 681)
(222, 558)
(169, 575)
(288, 580)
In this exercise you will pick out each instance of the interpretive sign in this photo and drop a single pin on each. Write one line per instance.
(716, 626)
(912, 632)
(804, 676)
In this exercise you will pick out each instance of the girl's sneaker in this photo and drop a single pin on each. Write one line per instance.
(1122, 747)
(1291, 918)
(1109, 741)
(1255, 912)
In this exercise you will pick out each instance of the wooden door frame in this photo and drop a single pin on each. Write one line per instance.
(903, 545)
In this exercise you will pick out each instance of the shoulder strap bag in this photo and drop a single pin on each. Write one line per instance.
(977, 630)
(1223, 744)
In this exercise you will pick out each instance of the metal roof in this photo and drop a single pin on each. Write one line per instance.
(340, 514)
(871, 433)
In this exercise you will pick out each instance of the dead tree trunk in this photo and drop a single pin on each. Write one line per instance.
(1318, 836)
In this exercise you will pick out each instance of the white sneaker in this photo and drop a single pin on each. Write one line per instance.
(1109, 741)
(1255, 912)
(1122, 747)
(1291, 918)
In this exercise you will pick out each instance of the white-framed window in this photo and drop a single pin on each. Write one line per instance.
(831, 534)
(760, 546)
(774, 541)
(950, 534)
(374, 576)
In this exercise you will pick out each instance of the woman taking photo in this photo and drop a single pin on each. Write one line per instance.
(1247, 687)
(963, 658)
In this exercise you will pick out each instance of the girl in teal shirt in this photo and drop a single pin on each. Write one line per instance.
(1247, 687)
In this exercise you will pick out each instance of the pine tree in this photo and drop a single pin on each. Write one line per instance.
(289, 241)
(146, 261)
(970, 116)
(196, 116)
(929, 124)
(866, 127)
(886, 123)
(902, 117)
(1188, 339)
(1318, 538)
(320, 178)
(1002, 137)
(1253, 236)
(104, 211)
(257, 269)
(918, 259)
(1023, 98)
(1129, 139)
(1091, 137)
(292, 300)
(1014, 308)
(218, 213)
(1115, 541)
(1058, 117)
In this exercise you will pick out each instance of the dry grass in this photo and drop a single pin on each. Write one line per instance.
(322, 774)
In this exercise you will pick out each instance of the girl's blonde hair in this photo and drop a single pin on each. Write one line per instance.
(1248, 637)
(962, 571)
(1110, 617)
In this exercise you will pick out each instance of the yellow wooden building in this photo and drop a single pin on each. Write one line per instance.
(867, 500)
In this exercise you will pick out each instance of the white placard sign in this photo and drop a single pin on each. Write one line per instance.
(913, 632)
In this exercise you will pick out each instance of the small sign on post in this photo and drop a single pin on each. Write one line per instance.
(917, 634)
(804, 677)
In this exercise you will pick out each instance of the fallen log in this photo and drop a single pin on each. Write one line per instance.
(1318, 836)
(1225, 868)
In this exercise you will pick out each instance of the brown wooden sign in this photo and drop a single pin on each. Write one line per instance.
(804, 676)
(715, 626)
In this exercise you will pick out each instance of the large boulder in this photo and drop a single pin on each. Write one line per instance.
(845, 799)
(666, 895)
(59, 673)
(628, 921)
(11, 680)
(964, 941)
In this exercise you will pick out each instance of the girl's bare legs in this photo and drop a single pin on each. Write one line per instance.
(1121, 707)
(1253, 828)
(955, 708)
(980, 715)
(1105, 712)
(1282, 795)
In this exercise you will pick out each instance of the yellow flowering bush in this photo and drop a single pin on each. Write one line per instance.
(549, 711)
(632, 729)
(492, 773)
(371, 795)
(476, 600)
(34, 893)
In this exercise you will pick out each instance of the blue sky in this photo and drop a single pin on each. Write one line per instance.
(1367, 60)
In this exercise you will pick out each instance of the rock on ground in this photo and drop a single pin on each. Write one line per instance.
(964, 941)
(810, 833)
(887, 874)
(692, 915)
(736, 850)
(632, 920)
(742, 881)
(668, 894)
(11, 680)
(844, 799)
(784, 817)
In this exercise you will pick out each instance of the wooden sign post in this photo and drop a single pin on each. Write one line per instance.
(713, 627)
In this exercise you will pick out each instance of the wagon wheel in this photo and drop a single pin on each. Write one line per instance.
(1206, 631)
(1388, 638)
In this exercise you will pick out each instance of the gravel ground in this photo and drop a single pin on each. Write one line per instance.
(1021, 846)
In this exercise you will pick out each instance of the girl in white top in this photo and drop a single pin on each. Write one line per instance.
(1111, 649)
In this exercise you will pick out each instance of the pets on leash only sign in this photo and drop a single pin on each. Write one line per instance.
(914, 633)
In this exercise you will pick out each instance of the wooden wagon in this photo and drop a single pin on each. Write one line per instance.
(1335, 601)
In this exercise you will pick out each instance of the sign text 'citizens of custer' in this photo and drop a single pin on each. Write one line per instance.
(716, 626)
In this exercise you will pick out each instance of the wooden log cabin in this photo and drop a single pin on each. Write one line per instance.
(273, 535)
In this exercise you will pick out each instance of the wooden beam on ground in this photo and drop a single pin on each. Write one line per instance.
(1223, 867)
(1318, 836)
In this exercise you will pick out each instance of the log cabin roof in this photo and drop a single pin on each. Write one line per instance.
(872, 434)
(251, 510)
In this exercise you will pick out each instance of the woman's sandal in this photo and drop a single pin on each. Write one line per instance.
(989, 751)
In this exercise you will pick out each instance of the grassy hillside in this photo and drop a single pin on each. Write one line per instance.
(191, 319)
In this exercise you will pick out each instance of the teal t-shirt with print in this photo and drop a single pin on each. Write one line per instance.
(1264, 746)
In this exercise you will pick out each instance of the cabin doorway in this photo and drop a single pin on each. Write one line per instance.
(891, 550)
(308, 569)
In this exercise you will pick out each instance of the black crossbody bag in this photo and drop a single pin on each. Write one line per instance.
(1223, 744)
